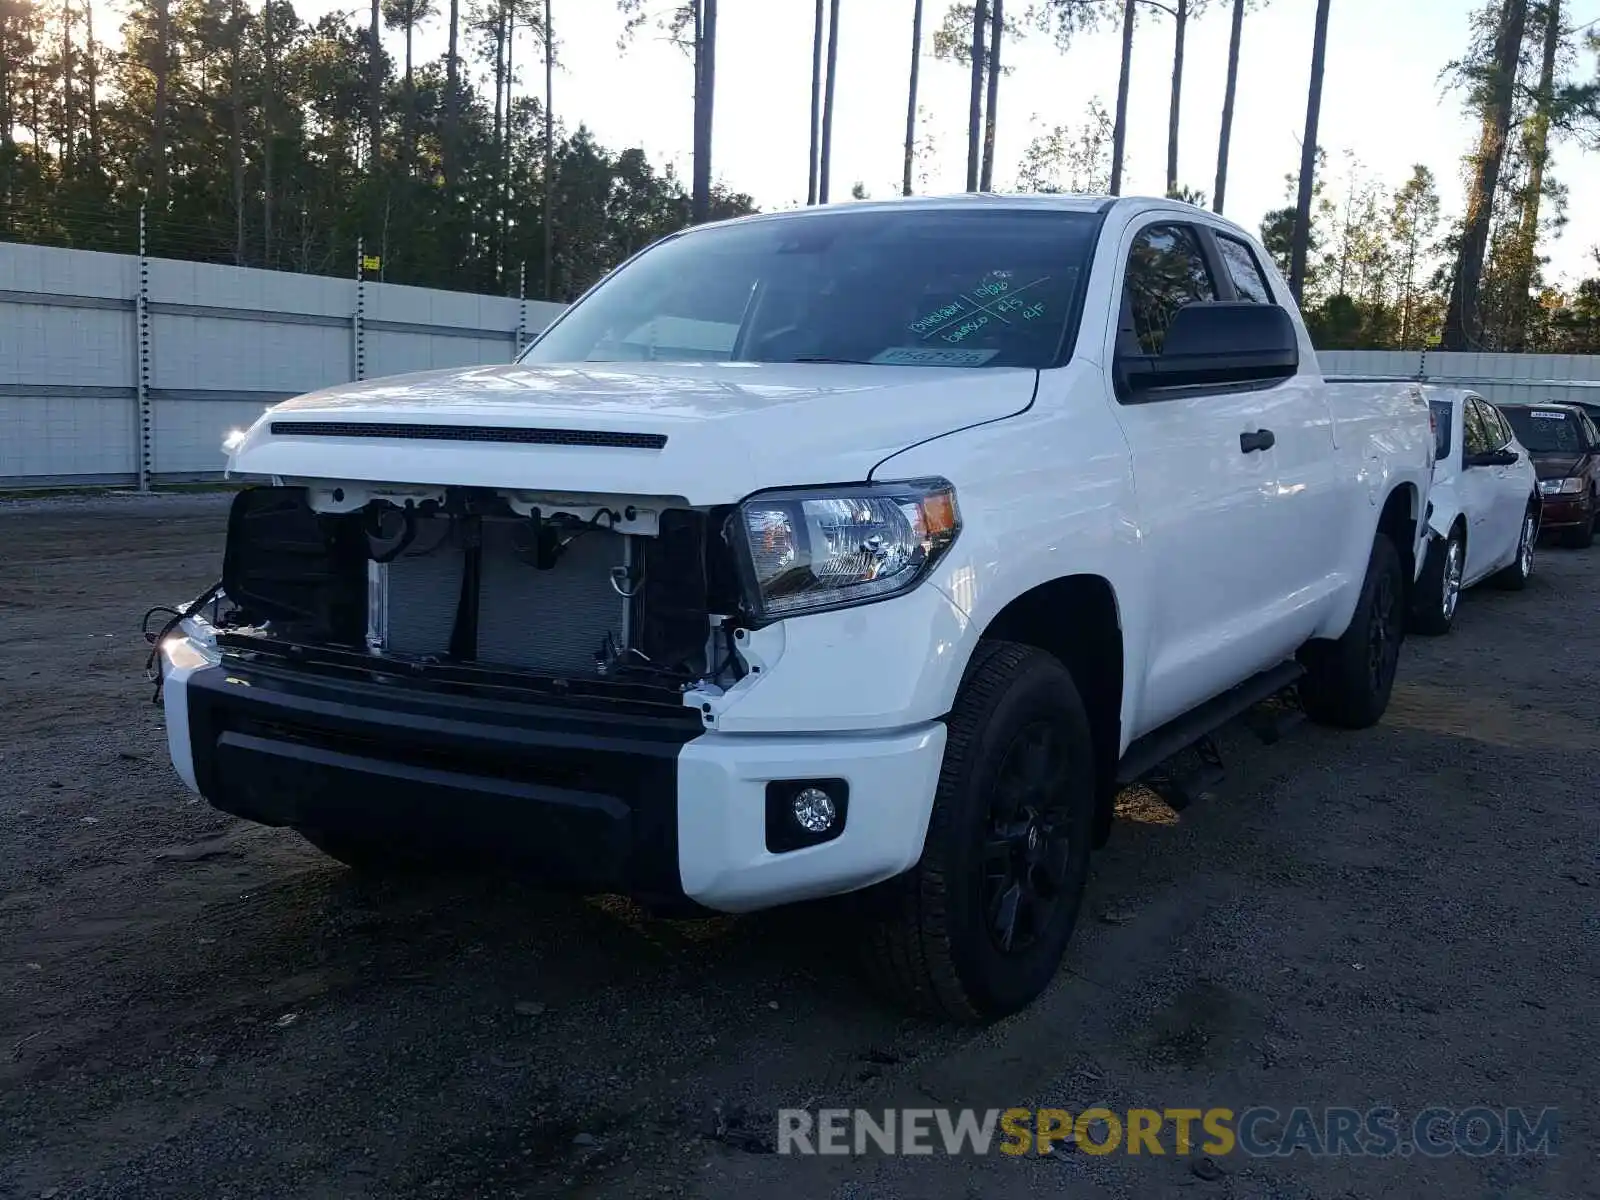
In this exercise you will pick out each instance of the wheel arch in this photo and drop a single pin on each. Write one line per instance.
(1398, 520)
(1404, 521)
(1078, 619)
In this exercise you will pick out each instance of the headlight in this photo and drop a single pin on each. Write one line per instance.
(1560, 487)
(810, 549)
(192, 642)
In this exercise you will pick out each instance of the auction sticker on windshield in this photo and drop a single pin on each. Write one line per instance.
(1547, 416)
(931, 356)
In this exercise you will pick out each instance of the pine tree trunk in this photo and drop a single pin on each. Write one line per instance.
(911, 101)
(549, 154)
(270, 73)
(992, 101)
(1308, 157)
(375, 132)
(1537, 136)
(705, 58)
(92, 79)
(236, 148)
(1462, 316)
(1119, 131)
(6, 120)
(816, 101)
(825, 154)
(408, 124)
(1408, 279)
(1180, 22)
(158, 132)
(452, 107)
(411, 25)
(497, 173)
(980, 20)
(67, 138)
(1226, 134)
(505, 155)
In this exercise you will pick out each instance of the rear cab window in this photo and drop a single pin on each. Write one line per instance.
(1248, 278)
(1166, 271)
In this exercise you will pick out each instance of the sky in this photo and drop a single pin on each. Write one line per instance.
(1382, 98)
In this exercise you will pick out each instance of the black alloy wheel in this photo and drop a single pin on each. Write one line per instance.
(1029, 848)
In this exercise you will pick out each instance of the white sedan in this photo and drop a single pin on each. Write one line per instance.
(1483, 515)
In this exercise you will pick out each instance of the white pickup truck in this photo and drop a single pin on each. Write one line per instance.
(861, 549)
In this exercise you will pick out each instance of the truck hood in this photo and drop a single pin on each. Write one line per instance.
(706, 433)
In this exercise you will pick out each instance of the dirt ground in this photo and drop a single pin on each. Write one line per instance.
(194, 1007)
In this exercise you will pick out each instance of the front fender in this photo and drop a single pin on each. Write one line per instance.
(1044, 495)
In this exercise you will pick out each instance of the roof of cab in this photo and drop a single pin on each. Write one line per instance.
(1058, 202)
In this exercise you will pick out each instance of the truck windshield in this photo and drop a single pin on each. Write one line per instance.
(1546, 430)
(989, 287)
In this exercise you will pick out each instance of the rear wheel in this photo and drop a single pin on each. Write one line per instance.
(1348, 681)
(1515, 577)
(978, 927)
(1438, 592)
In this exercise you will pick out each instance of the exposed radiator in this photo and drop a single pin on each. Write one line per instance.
(550, 621)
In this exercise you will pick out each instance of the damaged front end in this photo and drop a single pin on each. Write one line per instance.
(593, 599)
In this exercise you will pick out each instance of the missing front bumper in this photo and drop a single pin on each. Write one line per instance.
(585, 803)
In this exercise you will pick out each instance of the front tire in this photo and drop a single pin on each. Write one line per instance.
(977, 929)
(1348, 681)
(1438, 592)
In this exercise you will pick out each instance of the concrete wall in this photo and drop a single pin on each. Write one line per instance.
(1499, 377)
(97, 388)
(211, 345)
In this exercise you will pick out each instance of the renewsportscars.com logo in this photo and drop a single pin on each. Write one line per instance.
(1260, 1132)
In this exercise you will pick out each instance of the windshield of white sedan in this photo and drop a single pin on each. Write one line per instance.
(938, 288)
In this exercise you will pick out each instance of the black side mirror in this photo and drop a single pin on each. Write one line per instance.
(1492, 458)
(1206, 344)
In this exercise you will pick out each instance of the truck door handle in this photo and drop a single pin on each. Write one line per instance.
(1260, 440)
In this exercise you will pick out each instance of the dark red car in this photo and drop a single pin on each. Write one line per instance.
(1564, 443)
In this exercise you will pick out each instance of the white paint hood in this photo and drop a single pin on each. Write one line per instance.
(708, 433)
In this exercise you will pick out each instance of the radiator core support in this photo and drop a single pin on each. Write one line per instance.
(467, 579)
(553, 621)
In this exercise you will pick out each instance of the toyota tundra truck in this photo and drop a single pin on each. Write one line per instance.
(866, 549)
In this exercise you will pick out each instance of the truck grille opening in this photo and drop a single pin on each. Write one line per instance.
(554, 621)
(473, 582)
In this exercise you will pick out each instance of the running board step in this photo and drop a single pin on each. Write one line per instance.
(1179, 734)
(1272, 724)
(1180, 789)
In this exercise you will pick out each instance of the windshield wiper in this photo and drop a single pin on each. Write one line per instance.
(822, 358)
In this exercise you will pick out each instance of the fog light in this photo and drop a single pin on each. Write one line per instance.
(814, 810)
(805, 812)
